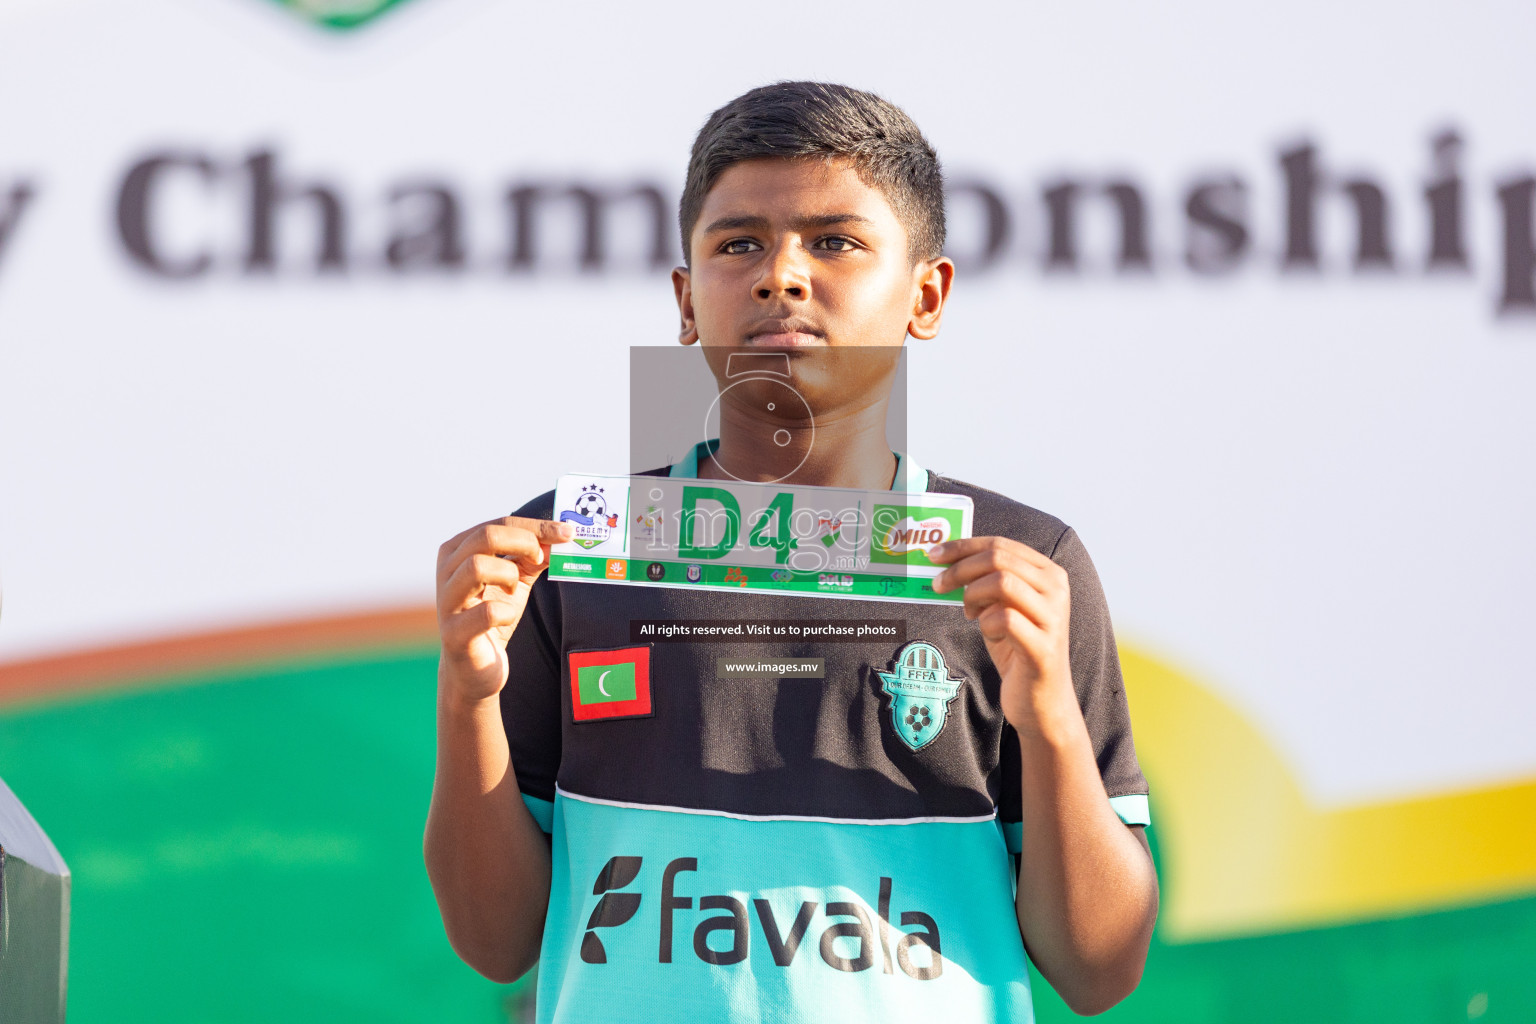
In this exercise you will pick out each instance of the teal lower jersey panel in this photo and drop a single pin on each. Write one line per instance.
(659, 914)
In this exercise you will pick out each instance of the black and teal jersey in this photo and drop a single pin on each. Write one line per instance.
(788, 849)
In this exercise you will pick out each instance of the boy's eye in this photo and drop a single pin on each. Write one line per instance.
(737, 246)
(837, 244)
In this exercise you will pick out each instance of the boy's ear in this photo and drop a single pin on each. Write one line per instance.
(682, 287)
(933, 280)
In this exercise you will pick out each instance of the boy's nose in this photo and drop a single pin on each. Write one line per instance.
(784, 274)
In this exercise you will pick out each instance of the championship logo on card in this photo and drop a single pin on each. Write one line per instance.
(920, 690)
(591, 518)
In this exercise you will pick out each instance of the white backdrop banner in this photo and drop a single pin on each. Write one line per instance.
(281, 302)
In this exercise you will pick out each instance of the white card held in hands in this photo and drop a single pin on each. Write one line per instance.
(729, 535)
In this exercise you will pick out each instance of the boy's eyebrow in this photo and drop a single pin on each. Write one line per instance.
(753, 222)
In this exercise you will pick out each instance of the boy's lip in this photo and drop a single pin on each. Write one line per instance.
(789, 332)
(784, 339)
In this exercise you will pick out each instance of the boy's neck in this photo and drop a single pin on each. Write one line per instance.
(848, 450)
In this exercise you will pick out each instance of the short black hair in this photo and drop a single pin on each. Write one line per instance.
(820, 119)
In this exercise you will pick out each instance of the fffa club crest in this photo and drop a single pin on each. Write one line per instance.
(920, 691)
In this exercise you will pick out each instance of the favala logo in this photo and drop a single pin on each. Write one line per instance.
(854, 937)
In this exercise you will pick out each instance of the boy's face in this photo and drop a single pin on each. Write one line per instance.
(802, 252)
(801, 256)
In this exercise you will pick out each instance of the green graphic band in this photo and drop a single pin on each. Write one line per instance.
(890, 585)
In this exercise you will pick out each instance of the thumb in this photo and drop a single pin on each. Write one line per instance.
(552, 532)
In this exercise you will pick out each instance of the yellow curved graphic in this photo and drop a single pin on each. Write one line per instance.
(1247, 853)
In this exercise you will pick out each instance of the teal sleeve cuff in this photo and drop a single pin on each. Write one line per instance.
(1133, 810)
(543, 813)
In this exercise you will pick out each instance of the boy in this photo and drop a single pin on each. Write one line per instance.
(780, 849)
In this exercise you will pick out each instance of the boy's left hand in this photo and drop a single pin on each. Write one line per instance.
(1021, 601)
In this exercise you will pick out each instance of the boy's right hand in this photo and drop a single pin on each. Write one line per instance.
(484, 576)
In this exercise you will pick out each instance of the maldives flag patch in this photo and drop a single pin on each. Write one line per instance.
(611, 684)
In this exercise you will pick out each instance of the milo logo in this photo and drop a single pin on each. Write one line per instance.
(902, 533)
(909, 534)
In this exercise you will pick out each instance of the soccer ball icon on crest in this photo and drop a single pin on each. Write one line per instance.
(592, 504)
(590, 516)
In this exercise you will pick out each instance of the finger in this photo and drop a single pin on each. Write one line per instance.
(477, 538)
(498, 614)
(550, 531)
(953, 550)
(460, 546)
(1000, 623)
(466, 625)
(1008, 590)
(491, 540)
(446, 549)
(477, 572)
(513, 536)
(1047, 578)
(487, 537)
